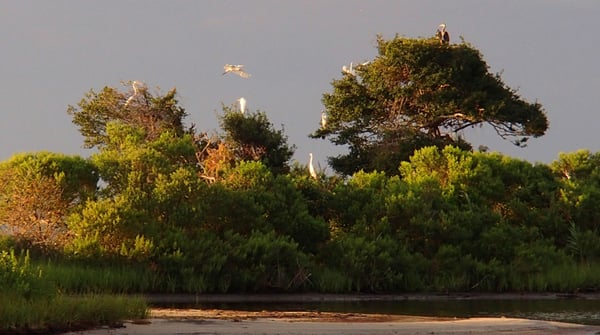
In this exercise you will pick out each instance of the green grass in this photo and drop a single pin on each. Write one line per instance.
(565, 277)
(331, 281)
(64, 312)
(32, 301)
(76, 278)
(571, 277)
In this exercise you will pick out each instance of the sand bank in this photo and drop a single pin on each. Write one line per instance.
(169, 322)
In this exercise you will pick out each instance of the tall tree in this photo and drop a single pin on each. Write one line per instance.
(138, 108)
(415, 93)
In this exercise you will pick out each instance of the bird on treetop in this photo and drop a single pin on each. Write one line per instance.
(442, 34)
(311, 168)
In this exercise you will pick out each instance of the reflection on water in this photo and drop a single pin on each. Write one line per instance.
(565, 310)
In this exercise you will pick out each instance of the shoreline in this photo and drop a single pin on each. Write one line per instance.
(158, 299)
(188, 322)
(167, 321)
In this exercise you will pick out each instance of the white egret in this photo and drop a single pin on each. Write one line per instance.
(137, 87)
(442, 34)
(237, 69)
(348, 70)
(242, 102)
(311, 168)
(323, 119)
(362, 65)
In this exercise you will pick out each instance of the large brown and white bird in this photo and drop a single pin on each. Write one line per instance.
(442, 34)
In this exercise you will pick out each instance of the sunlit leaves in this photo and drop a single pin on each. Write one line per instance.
(418, 93)
(251, 137)
(153, 114)
(38, 190)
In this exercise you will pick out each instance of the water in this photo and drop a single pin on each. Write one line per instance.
(575, 311)
(582, 311)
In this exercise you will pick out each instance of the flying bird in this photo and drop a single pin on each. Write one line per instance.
(137, 87)
(348, 70)
(323, 119)
(311, 168)
(242, 102)
(236, 69)
(442, 34)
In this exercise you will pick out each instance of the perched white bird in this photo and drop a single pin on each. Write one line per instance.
(323, 119)
(242, 102)
(137, 87)
(363, 64)
(311, 168)
(237, 69)
(348, 70)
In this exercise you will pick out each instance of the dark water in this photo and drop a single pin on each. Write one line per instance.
(582, 311)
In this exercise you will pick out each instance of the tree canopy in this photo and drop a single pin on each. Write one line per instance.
(252, 137)
(226, 213)
(416, 93)
(139, 108)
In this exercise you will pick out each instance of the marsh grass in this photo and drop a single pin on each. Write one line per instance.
(562, 277)
(571, 277)
(332, 281)
(78, 278)
(65, 312)
(82, 278)
(33, 302)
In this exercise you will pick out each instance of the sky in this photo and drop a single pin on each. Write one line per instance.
(53, 52)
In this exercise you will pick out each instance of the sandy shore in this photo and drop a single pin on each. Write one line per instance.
(193, 321)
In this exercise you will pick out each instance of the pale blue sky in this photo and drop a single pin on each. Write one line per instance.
(55, 51)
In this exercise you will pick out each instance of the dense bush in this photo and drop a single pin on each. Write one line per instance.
(193, 213)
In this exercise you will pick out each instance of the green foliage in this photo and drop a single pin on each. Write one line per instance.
(452, 270)
(37, 191)
(360, 203)
(419, 93)
(531, 261)
(379, 264)
(579, 195)
(266, 261)
(252, 138)
(153, 114)
(317, 194)
(570, 277)
(131, 163)
(276, 203)
(107, 224)
(80, 277)
(583, 245)
(18, 277)
(192, 262)
(68, 313)
(149, 185)
(181, 212)
(76, 175)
